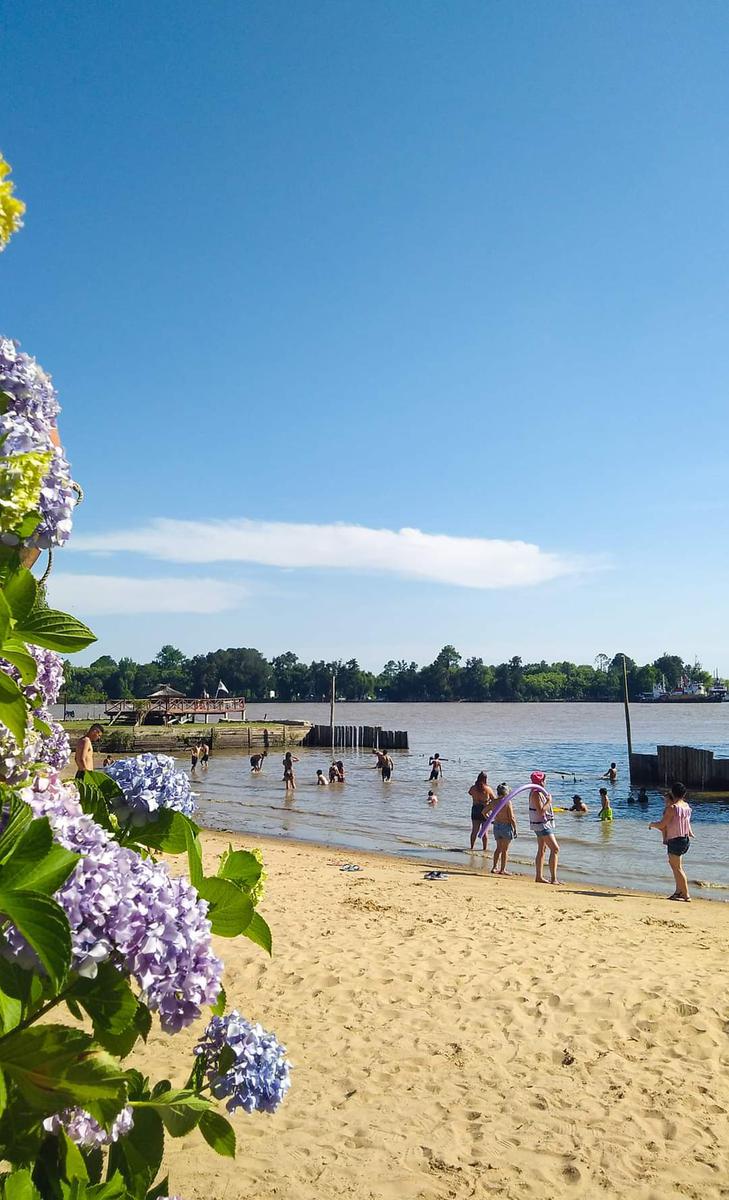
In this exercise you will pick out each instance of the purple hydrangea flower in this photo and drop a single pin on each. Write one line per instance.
(122, 907)
(85, 1131)
(261, 1074)
(33, 394)
(151, 782)
(49, 680)
(57, 497)
(54, 749)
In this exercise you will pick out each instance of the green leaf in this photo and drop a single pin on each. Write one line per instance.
(194, 855)
(108, 999)
(55, 630)
(113, 1189)
(95, 792)
(218, 1133)
(28, 525)
(169, 833)
(20, 1186)
(15, 992)
(44, 926)
(138, 1155)
(218, 1008)
(121, 1044)
(230, 910)
(42, 727)
(159, 1190)
(55, 1066)
(71, 1159)
(241, 867)
(259, 932)
(180, 1110)
(3, 1094)
(20, 816)
(37, 863)
(13, 649)
(6, 617)
(21, 592)
(13, 707)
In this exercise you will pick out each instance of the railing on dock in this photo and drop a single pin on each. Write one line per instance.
(357, 737)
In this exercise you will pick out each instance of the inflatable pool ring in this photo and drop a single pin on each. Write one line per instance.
(504, 800)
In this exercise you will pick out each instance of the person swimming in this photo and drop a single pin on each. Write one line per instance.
(578, 805)
(320, 780)
(612, 773)
(432, 798)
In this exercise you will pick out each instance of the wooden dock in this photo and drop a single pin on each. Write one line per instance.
(697, 769)
(357, 737)
(173, 710)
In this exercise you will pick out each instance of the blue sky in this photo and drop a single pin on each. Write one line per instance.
(458, 269)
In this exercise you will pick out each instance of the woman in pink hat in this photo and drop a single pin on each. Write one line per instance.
(541, 822)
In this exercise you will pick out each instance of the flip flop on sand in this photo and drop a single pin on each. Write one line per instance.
(350, 867)
(435, 875)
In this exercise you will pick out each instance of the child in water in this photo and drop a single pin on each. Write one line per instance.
(675, 825)
(320, 780)
(606, 813)
(504, 832)
(432, 798)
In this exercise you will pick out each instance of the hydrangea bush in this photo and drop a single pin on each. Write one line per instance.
(151, 782)
(92, 924)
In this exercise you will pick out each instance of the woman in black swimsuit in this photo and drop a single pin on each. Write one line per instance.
(482, 797)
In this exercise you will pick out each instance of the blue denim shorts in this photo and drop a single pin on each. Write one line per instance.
(546, 830)
(503, 831)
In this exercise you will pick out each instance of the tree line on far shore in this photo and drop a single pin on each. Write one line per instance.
(246, 672)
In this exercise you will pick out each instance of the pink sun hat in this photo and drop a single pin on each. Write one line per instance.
(538, 777)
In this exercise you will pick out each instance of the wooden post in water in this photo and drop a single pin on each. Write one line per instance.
(332, 706)
(627, 716)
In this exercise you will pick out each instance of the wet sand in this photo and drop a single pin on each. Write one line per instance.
(472, 1037)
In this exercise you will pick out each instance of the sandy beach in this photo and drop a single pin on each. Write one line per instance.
(473, 1037)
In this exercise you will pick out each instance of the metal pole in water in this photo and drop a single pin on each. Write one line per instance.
(332, 706)
(627, 715)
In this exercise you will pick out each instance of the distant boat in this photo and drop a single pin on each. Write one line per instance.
(688, 692)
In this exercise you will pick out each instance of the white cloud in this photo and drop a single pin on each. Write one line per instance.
(97, 595)
(459, 561)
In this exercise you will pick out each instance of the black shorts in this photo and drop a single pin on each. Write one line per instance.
(386, 772)
(476, 813)
(79, 775)
(677, 846)
(434, 775)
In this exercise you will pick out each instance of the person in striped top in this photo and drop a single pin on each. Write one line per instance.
(675, 825)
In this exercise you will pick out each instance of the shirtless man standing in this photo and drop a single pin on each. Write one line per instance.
(84, 754)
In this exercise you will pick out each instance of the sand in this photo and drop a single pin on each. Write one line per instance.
(473, 1037)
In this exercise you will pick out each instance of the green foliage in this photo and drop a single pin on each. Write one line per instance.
(247, 673)
(48, 1066)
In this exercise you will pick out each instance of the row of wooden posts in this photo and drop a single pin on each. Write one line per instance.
(357, 737)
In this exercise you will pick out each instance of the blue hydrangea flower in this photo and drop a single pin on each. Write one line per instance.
(129, 910)
(85, 1131)
(260, 1075)
(57, 497)
(151, 782)
(33, 394)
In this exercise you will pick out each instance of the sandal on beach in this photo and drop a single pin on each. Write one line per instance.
(350, 867)
(435, 875)
(683, 899)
